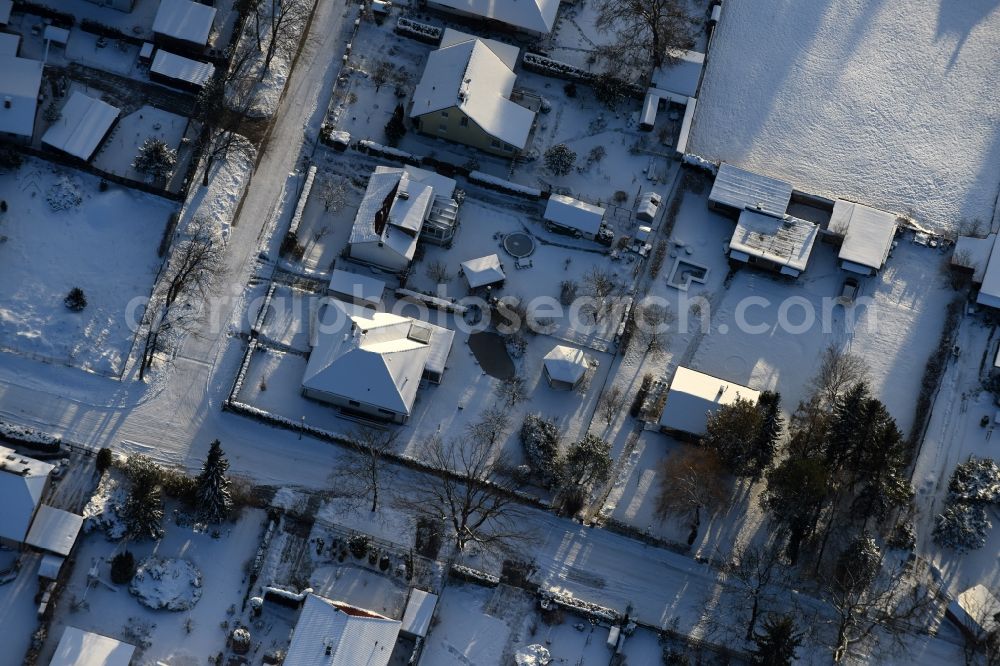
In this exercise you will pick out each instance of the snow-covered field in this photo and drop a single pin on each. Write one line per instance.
(105, 244)
(890, 103)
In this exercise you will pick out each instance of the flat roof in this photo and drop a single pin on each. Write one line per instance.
(974, 253)
(739, 189)
(693, 395)
(19, 85)
(989, 291)
(786, 241)
(85, 648)
(419, 612)
(868, 233)
(54, 530)
(361, 287)
(573, 213)
(84, 122)
(184, 20)
(180, 68)
(9, 44)
(681, 73)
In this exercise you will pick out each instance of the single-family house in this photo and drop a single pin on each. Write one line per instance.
(781, 244)
(332, 633)
(19, 85)
(83, 125)
(866, 236)
(565, 367)
(534, 17)
(736, 189)
(371, 363)
(483, 272)
(23, 481)
(179, 72)
(571, 216)
(85, 648)
(400, 207)
(692, 396)
(183, 24)
(464, 96)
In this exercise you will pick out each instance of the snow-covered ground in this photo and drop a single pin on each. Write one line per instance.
(121, 147)
(889, 103)
(105, 244)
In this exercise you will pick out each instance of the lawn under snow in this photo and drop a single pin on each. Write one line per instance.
(105, 244)
(893, 104)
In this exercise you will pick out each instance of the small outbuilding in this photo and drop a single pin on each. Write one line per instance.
(483, 272)
(54, 530)
(82, 126)
(84, 648)
(180, 72)
(571, 216)
(418, 614)
(866, 236)
(19, 88)
(976, 611)
(183, 23)
(692, 396)
(781, 244)
(737, 189)
(565, 367)
(356, 288)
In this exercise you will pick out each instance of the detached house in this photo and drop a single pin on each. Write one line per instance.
(464, 95)
(534, 17)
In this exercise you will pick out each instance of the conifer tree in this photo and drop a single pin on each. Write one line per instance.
(777, 643)
(213, 497)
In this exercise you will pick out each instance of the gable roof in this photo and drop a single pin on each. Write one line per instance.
(472, 77)
(483, 271)
(83, 648)
(180, 68)
(22, 482)
(392, 211)
(693, 395)
(739, 189)
(786, 241)
(83, 124)
(331, 633)
(54, 530)
(19, 87)
(533, 15)
(566, 364)
(354, 285)
(374, 358)
(868, 233)
(184, 20)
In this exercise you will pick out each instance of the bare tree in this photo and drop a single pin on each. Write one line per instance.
(222, 108)
(437, 271)
(600, 285)
(512, 391)
(645, 31)
(333, 192)
(472, 493)
(838, 370)
(652, 320)
(366, 474)
(491, 427)
(754, 571)
(381, 73)
(285, 22)
(611, 404)
(692, 480)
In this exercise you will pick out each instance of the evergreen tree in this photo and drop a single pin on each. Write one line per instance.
(395, 129)
(560, 159)
(155, 158)
(796, 489)
(587, 461)
(777, 643)
(122, 567)
(143, 511)
(772, 425)
(740, 435)
(860, 562)
(213, 497)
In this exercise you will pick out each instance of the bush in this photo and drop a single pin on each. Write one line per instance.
(560, 159)
(358, 545)
(395, 129)
(570, 89)
(75, 300)
(180, 486)
(122, 567)
(104, 459)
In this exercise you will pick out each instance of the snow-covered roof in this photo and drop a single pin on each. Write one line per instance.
(54, 530)
(85, 648)
(362, 287)
(975, 610)
(681, 73)
(50, 566)
(374, 358)
(19, 88)
(573, 213)
(331, 633)
(786, 241)
(9, 43)
(5, 7)
(483, 271)
(867, 232)
(973, 253)
(22, 482)
(185, 20)
(534, 15)
(693, 395)
(419, 612)
(989, 290)
(565, 364)
(83, 124)
(470, 75)
(739, 188)
(508, 53)
(180, 68)
(56, 34)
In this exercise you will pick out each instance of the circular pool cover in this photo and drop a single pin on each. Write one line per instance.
(519, 245)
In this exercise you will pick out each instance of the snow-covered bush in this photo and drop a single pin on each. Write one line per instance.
(75, 300)
(560, 159)
(977, 480)
(540, 438)
(105, 508)
(426, 33)
(155, 158)
(170, 583)
(64, 194)
(962, 527)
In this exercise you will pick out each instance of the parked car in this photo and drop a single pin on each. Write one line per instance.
(850, 290)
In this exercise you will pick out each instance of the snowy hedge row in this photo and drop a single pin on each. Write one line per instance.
(571, 603)
(471, 575)
(422, 31)
(303, 198)
(494, 183)
(543, 65)
(22, 435)
(242, 374)
(700, 163)
(368, 146)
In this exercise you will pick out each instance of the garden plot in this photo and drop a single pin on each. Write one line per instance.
(325, 225)
(891, 104)
(120, 149)
(163, 636)
(102, 242)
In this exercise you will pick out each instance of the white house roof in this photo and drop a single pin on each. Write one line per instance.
(471, 76)
(9, 43)
(508, 53)
(362, 287)
(84, 648)
(83, 123)
(975, 609)
(786, 241)
(54, 33)
(974, 253)
(374, 358)
(989, 290)
(534, 15)
(573, 213)
(741, 189)
(184, 20)
(565, 364)
(54, 530)
(392, 211)
(50, 566)
(22, 482)
(867, 232)
(483, 271)
(681, 73)
(19, 86)
(352, 636)
(5, 7)
(419, 612)
(180, 68)
(693, 395)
